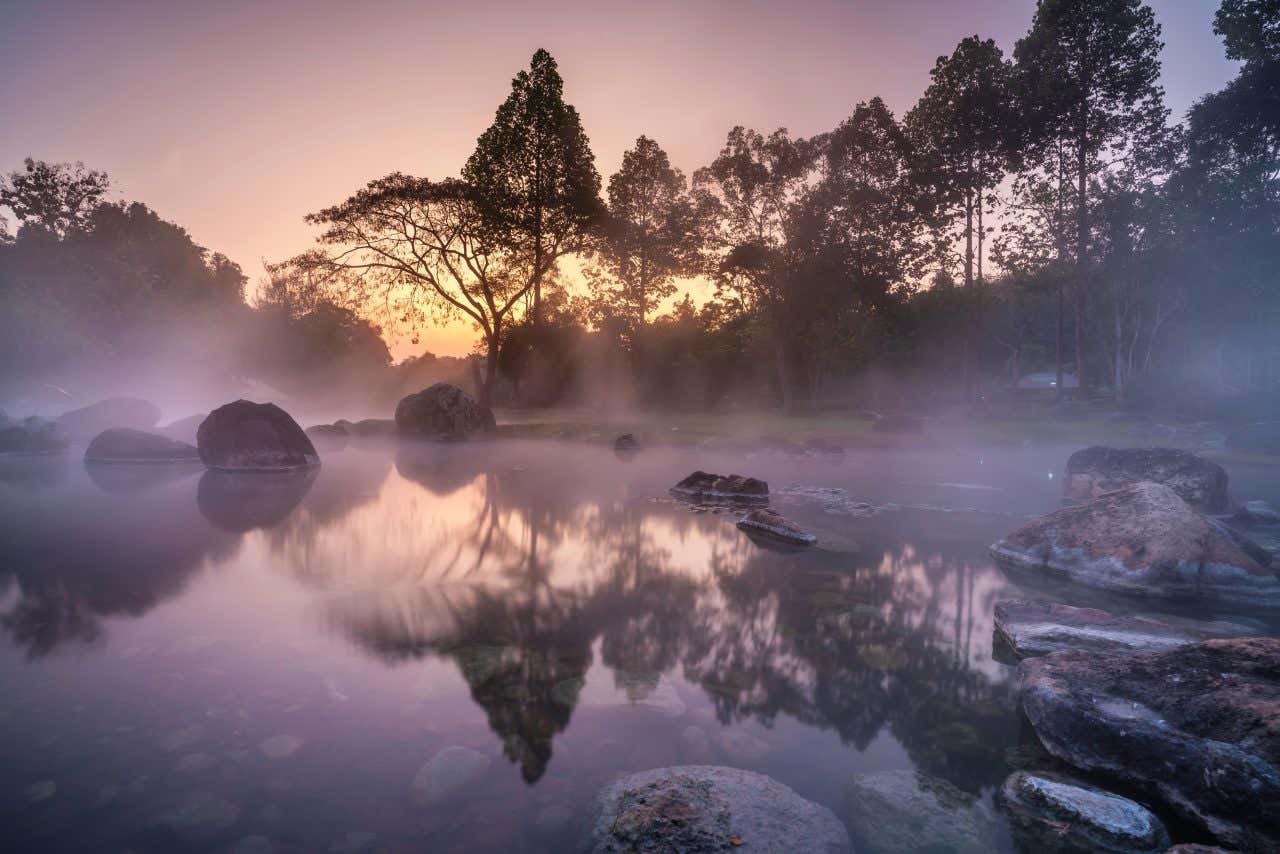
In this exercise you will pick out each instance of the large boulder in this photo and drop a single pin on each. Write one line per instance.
(900, 810)
(1097, 470)
(1197, 727)
(122, 445)
(1053, 814)
(1142, 540)
(1260, 438)
(88, 421)
(703, 808)
(1030, 629)
(258, 437)
(445, 412)
(733, 488)
(31, 435)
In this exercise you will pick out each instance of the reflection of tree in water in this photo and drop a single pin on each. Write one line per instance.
(75, 553)
(855, 649)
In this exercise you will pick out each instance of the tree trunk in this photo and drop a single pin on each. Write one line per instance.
(1057, 353)
(784, 376)
(967, 314)
(1082, 256)
(484, 393)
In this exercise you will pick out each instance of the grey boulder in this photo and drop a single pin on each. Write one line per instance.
(443, 412)
(1098, 470)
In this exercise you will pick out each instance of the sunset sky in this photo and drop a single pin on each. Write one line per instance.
(234, 119)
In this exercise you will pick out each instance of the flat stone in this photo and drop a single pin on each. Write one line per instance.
(1196, 727)
(1051, 814)
(449, 771)
(696, 809)
(1038, 628)
(765, 521)
(901, 810)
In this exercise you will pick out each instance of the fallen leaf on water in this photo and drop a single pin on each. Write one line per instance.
(735, 841)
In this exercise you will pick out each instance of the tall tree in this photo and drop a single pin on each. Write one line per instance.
(1087, 74)
(55, 197)
(416, 248)
(650, 235)
(533, 175)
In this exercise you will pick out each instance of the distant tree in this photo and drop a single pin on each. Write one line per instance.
(54, 197)
(1087, 74)
(533, 176)
(411, 248)
(649, 238)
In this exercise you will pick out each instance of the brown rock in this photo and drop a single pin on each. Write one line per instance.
(1098, 470)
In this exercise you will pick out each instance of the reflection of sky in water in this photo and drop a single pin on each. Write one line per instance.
(283, 661)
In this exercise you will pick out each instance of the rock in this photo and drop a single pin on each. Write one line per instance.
(1097, 470)
(88, 421)
(1196, 727)
(260, 437)
(1141, 540)
(734, 488)
(892, 811)
(31, 435)
(367, 428)
(41, 791)
(184, 429)
(765, 521)
(742, 746)
(256, 844)
(200, 816)
(703, 808)
(1053, 814)
(123, 445)
(330, 437)
(280, 746)
(823, 448)
(1037, 628)
(910, 424)
(1257, 513)
(626, 442)
(445, 412)
(1197, 848)
(1260, 438)
(452, 769)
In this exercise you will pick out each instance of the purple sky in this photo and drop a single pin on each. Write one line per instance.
(234, 119)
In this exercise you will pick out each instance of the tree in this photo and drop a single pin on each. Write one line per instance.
(533, 175)
(1087, 75)
(413, 248)
(54, 197)
(650, 235)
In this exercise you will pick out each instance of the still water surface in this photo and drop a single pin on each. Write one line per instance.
(205, 662)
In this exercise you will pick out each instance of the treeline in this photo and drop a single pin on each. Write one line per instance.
(1036, 212)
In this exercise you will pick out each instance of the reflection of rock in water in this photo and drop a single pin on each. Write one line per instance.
(443, 469)
(240, 502)
(130, 480)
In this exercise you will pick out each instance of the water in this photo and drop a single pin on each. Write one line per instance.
(202, 662)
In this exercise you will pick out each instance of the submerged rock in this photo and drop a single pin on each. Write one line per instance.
(256, 437)
(1197, 727)
(765, 521)
(88, 421)
(449, 771)
(1257, 513)
(892, 811)
(734, 488)
(444, 412)
(31, 435)
(1098, 470)
(123, 445)
(1141, 540)
(704, 808)
(1039, 628)
(1052, 814)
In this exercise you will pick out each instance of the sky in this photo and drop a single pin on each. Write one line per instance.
(234, 119)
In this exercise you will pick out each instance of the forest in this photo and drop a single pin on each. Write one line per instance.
(1037, 222)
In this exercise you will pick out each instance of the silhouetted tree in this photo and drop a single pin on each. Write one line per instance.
(55, 197)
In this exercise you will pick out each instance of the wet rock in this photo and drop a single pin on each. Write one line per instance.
(328, 437)
(765, 521)
(903, 424)
(1054, 814)
(42, 791)
(1094, 471)
(124, 445)
(703, 808)
(1197, 848)
(715, 488)
(1142, 540)
(255, 844)
(892, 811)
(354, 842)
(1257, 513)
(193, 763)
(1038, 628)
(88, 421)
(696, 739)
(443, 412)
(449, 771)
(280, 746)
(255, 437)
(200, 815)
(1262, 437)
(742, 746)
(32, 435)
(1196, 727)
